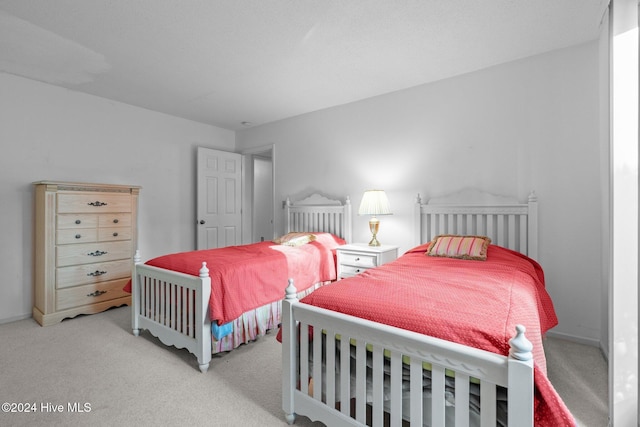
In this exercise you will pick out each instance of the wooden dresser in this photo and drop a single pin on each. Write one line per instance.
(85, 237)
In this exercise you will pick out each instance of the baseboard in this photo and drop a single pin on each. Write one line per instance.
(15, 318)
(580, 340)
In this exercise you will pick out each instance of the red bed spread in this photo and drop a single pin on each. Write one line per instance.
(476, 303)
(249, 276)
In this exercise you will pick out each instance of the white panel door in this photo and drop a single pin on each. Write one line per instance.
(219, 190)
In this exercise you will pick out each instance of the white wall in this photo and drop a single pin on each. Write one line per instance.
(49, 133)
(527, 125)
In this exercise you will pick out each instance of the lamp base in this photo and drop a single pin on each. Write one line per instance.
(374, 225)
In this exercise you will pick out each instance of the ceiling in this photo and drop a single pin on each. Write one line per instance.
(225, 62)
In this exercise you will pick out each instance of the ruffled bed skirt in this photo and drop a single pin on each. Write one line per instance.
(255, 323)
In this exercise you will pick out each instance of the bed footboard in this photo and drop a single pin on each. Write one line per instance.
(382, 371)
(174, 308)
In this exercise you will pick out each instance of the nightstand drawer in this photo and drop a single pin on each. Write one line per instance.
(358, 260)
(350, 270)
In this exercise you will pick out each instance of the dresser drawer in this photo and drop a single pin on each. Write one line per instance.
(114, 220)
(79, 235)
(89, 253)
(357, 259)
(114, 233)
(94, 202)
(90, 294)
(92, 273)
(77, 221)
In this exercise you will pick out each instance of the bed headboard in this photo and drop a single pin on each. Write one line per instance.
(471, 212)
(319, 213)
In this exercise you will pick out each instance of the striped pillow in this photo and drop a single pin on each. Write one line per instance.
(463, 247)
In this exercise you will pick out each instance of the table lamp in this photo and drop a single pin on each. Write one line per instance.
(374, 202)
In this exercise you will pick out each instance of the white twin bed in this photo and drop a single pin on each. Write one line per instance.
(394, 376)
(175, 307)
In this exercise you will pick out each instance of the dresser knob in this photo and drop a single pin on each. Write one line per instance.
(78, 221)
(115, 234)
(96, 293)
(97, 253)
(115, 221)
(78, 236)
(97, 273)
(358, 259)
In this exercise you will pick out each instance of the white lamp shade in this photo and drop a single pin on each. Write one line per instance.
(374, 202)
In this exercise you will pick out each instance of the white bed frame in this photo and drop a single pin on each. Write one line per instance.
(185, 323)
(509, 224)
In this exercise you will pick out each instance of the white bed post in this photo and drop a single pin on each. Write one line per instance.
(135, 295)
(417, 220)
(520, 380)
(289, 352)
(203, 331)
(287, 212)
(532, 226)
(346, 220)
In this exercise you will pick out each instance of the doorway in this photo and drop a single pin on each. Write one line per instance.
(259, 194)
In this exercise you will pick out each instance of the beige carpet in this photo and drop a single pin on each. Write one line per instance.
(127, 380)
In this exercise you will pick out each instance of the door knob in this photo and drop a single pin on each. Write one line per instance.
(202, 221)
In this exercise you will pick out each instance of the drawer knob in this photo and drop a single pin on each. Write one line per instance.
(357, 258)
(96, 293)
(115, 221)
(357, 270)
(97, 203)
(97, 273)
(78, 221)
(78, 236)
(97, 253)
(115, 234)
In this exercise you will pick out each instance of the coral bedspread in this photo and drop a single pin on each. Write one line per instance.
(249, 276)
(475, 303)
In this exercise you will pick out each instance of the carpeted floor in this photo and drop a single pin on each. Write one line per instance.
(92, 371)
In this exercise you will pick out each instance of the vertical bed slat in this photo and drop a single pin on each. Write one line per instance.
(415, 387)
(487, 404)
(490, 231)
(154, 300)
(480, 228)
(462, 400)
(377, 390)
(396, 389)
(180, 311)
(163, 309)
(523, 235)
(304, 358)
(500, 229)
(174, 307)
(437, 396)
(331, 369)
(512, 231)
(317, 363)
(361, 382)
(345, 375)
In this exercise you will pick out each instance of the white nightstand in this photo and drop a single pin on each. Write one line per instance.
(358, 257)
